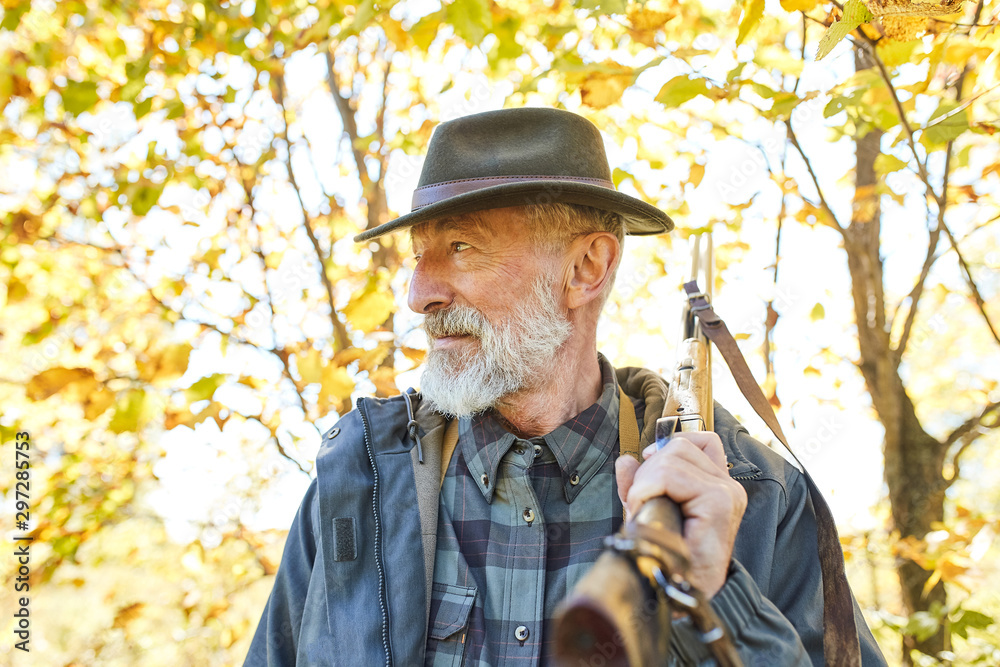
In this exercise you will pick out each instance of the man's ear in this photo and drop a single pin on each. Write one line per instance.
(591, 263)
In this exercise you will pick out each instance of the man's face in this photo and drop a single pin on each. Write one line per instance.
(493, 315)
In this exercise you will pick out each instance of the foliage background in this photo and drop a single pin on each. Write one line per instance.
(184, 312)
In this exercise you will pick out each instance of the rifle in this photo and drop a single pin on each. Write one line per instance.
(621, 610)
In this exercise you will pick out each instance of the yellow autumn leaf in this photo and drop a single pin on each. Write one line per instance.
(650, 15)
(413, 354)
(373, 357)
(310, 365)
(77, 382)
(253, 382)
(368, 310)
(385, 381)
(798, 5)
(697, 172)
(602, 90)
(165, 365)
(97, 402)
(336, 383)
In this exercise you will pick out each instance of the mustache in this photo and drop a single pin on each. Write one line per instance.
(459, 320)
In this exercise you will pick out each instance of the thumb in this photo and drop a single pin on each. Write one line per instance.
(625, 468)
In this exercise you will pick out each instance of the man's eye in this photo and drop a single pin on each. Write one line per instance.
(459, 246)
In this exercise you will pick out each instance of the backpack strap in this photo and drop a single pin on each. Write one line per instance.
(448, 448)
(628, 431)
(628, 426)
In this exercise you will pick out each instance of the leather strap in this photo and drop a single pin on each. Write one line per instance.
(628, 427)
(426, 195)
(448, 447)
(840, 634)
(628, 431)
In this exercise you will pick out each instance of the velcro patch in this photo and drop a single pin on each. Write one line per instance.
(345, 546)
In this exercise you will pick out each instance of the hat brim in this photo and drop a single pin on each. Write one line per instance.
(640, 218)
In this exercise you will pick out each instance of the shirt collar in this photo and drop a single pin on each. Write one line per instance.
(580, 445)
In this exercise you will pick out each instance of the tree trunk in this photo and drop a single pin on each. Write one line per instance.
(914, 461)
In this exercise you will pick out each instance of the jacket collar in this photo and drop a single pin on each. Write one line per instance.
(580, 445)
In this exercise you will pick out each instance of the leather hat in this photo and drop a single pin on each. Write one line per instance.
(514, 157)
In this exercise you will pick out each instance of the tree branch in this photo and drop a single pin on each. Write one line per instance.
(921, 167)
(970, 281)
(966, 435)
(208, 325)
(340, 334)
(350, 125)
(917, 291)
(972, 422)
(819, 190)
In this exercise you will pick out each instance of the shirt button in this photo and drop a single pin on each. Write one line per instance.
(574, 479)
(485, 479)
(521, 633)
(518, 449)
(538, 451)
(529, 516)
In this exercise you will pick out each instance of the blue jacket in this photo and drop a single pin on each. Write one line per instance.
(352, 588)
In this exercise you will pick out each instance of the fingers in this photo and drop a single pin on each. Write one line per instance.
(674, 476)
(687, 468)
(691, 470)
(701, 447)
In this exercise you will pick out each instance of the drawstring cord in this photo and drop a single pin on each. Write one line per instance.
(412, 426)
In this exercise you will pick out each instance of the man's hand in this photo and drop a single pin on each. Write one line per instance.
(691, 470)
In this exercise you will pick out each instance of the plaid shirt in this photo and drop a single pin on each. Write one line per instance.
(520, 522)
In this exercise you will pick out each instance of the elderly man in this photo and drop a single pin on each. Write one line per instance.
(445, 527)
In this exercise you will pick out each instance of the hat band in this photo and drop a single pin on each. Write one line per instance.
(432, 194)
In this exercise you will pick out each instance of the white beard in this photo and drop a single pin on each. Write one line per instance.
(512, 355)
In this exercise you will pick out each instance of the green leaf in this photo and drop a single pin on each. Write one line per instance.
(855, 13)
(363, 15)
(79, 96)
(680, 89)
(174, 109)
(886, 164)
(970, 619)
(142, 108)
(426, 29)
(470, 18)
(145, 198)
(894, 54)
(922, 625)
(946, 124)
(753, 10)
(204, 388)
(12, 15)
(602, 6)
(784, 104)
(130, 413)
(764, 91)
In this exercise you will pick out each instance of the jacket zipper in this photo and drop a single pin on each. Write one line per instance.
(378, 537)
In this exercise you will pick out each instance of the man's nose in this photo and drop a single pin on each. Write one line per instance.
(430, 289)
